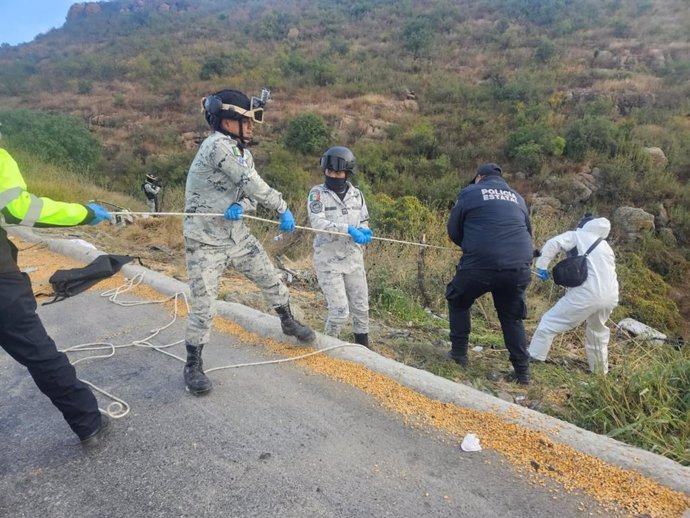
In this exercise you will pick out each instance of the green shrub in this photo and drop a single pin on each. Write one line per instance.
(57, 138)
(284, 173)
(541, 12)
(84, 87)
(644, 295)
(213, 66)
(420, 139)
(405, 217)
(529, 157)
(591, 133)
(545, 51)
(529, 145)
(307, 134)
(417, 35)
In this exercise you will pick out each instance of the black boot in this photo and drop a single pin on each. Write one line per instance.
(362, 339)
(97, 437)
(197, 382)
(521, 377)
(460, 359)
(292, 327)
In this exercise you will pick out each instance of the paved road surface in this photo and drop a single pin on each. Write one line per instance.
(268, 441)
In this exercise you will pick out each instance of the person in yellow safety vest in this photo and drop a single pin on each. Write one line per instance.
(22, 333)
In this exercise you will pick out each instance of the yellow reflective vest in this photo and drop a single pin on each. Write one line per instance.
(20, 207)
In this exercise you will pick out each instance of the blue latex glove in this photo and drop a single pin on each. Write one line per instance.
(367, 233)
(358, 236)
(100, 214)
(287, 221)
(543, 274)
(234, 212)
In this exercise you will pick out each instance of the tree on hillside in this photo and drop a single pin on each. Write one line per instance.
(307, 134)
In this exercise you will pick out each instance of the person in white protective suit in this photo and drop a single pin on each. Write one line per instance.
(591, 302)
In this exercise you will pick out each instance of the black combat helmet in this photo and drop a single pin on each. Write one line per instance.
(338, 158)
(227, 104)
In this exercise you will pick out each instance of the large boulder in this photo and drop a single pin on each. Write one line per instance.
(632, 223)
(658, 156)
(580, 193)
(545, 205)
(604, 59)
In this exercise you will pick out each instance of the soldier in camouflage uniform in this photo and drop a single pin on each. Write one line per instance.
(222, 178)
(338, 206)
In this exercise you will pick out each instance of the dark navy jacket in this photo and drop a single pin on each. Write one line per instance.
(491, 224)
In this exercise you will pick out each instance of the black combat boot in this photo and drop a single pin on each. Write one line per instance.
(362, 339)
(197, 382)
(292, 327)
(96, 438)
(520, 376)
(460, 359)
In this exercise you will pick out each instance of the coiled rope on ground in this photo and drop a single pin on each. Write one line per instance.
(119, 408)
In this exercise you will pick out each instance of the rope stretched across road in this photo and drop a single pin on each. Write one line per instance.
(316, 230)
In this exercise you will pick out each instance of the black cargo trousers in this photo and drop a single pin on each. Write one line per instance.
(507, 287)
(23, 336)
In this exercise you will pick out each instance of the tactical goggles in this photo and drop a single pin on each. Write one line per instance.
(336, 163)
(255, 113)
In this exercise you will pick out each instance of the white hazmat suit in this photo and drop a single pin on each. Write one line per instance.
(591, 302)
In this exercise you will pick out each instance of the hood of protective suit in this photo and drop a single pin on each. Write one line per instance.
(598, 226)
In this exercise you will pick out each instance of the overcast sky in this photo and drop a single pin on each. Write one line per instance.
(23, 20)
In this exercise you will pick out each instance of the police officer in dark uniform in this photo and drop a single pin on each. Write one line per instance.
(490, 222)
(22, 334)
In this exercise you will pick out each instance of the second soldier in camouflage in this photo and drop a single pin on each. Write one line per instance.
(338, 206)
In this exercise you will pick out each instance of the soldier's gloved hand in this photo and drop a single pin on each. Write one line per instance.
(234, 212)
(543, 274)
(287, 221)
(357, 235)
(99, 214)
(367, 231)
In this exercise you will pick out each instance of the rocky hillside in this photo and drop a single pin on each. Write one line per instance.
(586, 103)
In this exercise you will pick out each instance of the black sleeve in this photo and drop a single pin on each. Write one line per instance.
(456, 223)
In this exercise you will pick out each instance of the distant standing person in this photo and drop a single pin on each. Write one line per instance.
(22, 333)
(222, 179)
(491, 224)
(591, 302)
(339, 206)
(152, 188)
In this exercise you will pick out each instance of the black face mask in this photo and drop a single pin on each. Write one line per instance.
(337, 185)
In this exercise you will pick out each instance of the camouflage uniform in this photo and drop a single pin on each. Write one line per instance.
(220, 175)
(338, 261)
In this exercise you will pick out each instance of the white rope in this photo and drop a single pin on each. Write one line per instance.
(119, 408)
(309, 229)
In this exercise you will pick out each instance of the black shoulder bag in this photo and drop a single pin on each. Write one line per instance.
(572, 271)
(67, 283)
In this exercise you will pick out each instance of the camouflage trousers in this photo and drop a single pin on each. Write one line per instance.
(345, 293)
(206, 263)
